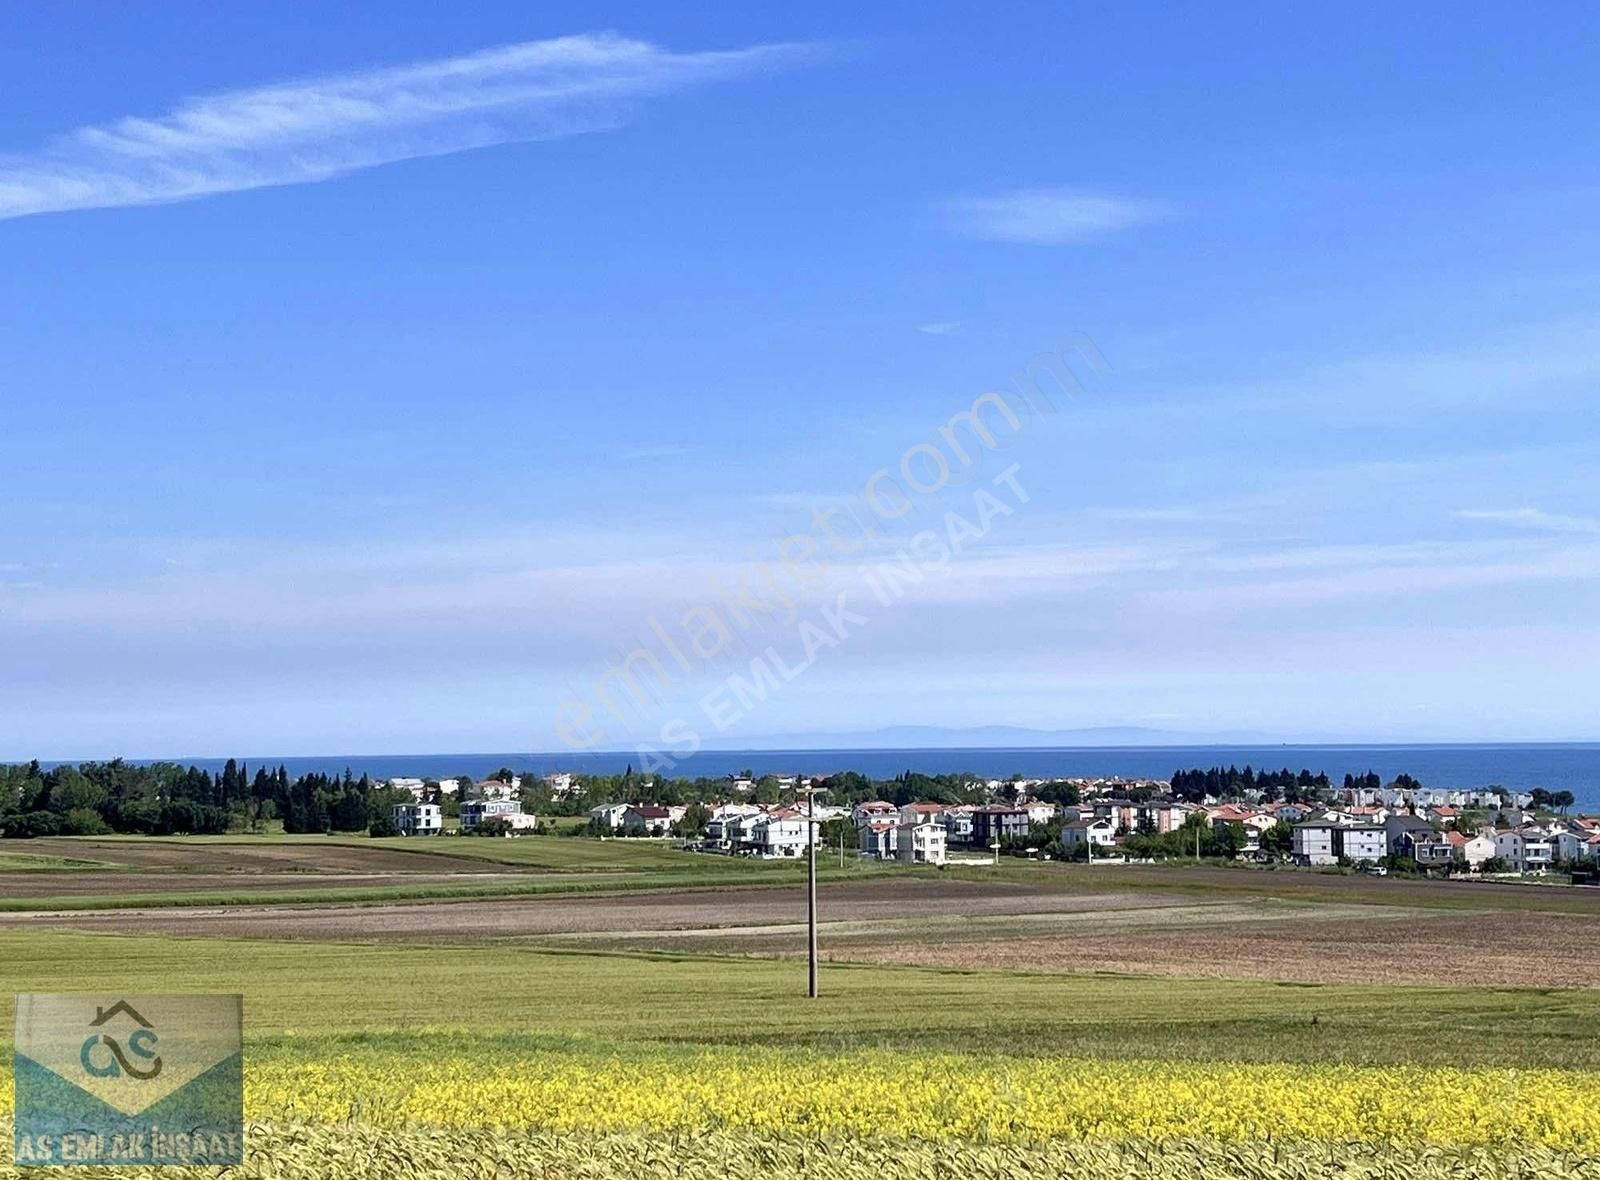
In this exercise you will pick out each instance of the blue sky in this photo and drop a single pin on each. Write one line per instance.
(372, 376)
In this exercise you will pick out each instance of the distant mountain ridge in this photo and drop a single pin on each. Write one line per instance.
(932, 737)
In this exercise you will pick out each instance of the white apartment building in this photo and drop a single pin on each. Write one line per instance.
(419, 819)
(474, 812)
(1097, 833)
(922, 843)
(1315, 843)
(1364, 842)
(1526, 850)
(780, 835)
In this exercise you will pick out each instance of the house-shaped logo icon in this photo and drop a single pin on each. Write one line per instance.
(103, 1055)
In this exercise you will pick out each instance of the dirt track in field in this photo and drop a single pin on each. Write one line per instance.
(879, 901)
(93, 883)
(191, 857)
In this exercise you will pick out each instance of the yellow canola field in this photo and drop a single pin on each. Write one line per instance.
(940, 1097)
(933, 1097)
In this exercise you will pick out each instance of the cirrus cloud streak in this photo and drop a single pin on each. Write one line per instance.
(315, 129)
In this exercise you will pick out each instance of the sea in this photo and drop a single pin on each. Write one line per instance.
(1573, 767)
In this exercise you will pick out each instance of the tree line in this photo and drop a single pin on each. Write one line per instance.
(167, 799)
(1226, 782)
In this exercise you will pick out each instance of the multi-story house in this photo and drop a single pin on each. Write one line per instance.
(1569, 847)
(1315, 842)
(419, 819)
(608, 815)
(1525, 850)
(920, 843)
(921, 813)
(650, 819)
(1096, 833)
(780, 835)
(995, 825)
(877, 840)
(476, 811)
(1363, 843)
(958, 827)
(874, 811)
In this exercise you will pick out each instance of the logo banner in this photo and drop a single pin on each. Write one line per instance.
(129, 1079)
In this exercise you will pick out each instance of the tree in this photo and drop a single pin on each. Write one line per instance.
(834, 830)
(83, 821)
(694, 820)
(1278, 839)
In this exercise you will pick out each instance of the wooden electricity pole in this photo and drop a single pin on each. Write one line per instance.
(811, 889)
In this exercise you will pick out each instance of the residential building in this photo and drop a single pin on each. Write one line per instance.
(649, 819)
(737, 830)
(920, 843)
(992, 825)
(1040, 812)
(475, 811)
(1123, 813)
(877, 840)
(958, 825)
(921, 813)
(1290, 813)
(1473, 850)
(1403, 830)
(1525, 850)
(1569, 846)
(780, 834)
(1315, 842)
(415, 785)
(873, 811)
(1363, 843)
(730, 824)
(1429, 849)
(419, 819)
(1251, 821)
(608, 815)
(1097, 833)
(1165, 815)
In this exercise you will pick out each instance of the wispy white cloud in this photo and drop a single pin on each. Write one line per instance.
(310, 130)
(1533, 518)
(941, 328)
(1050, 216)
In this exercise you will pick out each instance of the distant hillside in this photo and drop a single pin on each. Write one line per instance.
(930, 737)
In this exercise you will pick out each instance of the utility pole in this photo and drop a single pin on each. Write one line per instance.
(811, 890)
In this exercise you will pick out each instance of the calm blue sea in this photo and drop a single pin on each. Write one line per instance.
(1575, 767)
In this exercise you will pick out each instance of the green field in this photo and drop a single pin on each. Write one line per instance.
(316, 994)
(390, 1052)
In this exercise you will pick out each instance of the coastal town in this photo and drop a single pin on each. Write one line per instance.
(1365, 825)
